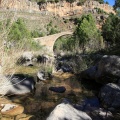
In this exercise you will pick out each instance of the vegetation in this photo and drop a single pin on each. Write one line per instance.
(111, 29)
(70, 1)
(35, 34)
(117, 4)
(52, 29)
(64, 44)
(107, 2)
(100, 11)
(86, 33)
(18, 31)
(117, 7)
(86, 37)
(100, 1)
(81, 2)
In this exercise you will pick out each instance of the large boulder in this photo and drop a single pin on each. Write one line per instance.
(43, 75)
(16, 85)
(45, 59)
(101, 114)
(89, 73)
(108, 69)
(27, 59)
(110, 95)
(65, 111)
(74, 64)
(88, 104)
(92, 107)
(11, 109)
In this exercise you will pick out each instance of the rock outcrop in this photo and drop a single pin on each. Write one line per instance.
(11, 109)
(110, 95)
(65, 111)
(89, 4)
(61, 8)
(16, 85)
(22, 5)
(107, 70)
(43, 75)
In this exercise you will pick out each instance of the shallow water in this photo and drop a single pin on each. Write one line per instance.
(42, 101)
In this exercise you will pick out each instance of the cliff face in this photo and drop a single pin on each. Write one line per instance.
(22, 5)
(66, 9)
(61, 8)
(94, 4)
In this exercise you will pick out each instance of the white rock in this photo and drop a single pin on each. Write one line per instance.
(27, 55)
(15, 85)
(7, 107)
(65, 111)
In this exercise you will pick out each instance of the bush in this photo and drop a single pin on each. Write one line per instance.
(36, 34)
(86, 34)
(26, 44)
(81, 2)
(53, 31)
(18, 31)
(111, 29)
(100, 11)
(75, 63)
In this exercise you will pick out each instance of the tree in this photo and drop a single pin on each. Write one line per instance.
(117, 4)
(86, 32)
(111, 29)
(100, 1)
(106, 2)
(18, 31)
(118, 12)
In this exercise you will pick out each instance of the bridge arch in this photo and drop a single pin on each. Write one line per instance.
(59, 40)
(49, 41)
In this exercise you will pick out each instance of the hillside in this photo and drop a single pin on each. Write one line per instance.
(61, 8)
(38, 15)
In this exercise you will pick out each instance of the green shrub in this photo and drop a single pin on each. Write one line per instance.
(18, 31)
(28, 44)
(36, 34)
(100, 11)
(53, 31)
(0, 25)
(79, 65)
(111, 29)
(81, 2)
(86, 34)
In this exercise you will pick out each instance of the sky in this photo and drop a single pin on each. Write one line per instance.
(111, 2)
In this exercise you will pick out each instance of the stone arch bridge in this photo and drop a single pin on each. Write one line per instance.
(49, 41)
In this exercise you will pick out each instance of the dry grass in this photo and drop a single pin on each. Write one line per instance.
(9, 56)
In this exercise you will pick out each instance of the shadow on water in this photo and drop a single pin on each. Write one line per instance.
(90, 85)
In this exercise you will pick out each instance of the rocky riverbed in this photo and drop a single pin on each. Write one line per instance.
(64, 95)
(39, 104)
